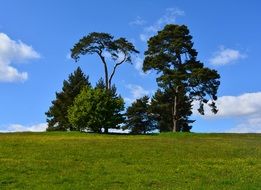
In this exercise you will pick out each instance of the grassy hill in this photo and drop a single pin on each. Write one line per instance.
(165, 161)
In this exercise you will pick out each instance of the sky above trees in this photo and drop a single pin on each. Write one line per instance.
(36, 38)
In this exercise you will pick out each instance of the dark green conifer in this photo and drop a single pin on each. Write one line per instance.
(181, 76)
(139, 118)
(57, 117)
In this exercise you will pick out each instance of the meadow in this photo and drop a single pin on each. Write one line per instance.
(72, 160)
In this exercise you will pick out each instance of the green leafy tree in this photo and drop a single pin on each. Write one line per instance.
(139, 119)
(57, 114)
(117, 114)
(172, 55)
(96, 109)
(119, 50)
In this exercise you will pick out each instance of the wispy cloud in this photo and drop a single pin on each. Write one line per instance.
(136, 92)
(145, 36)
(138, 64)
(138, 21)
(14, 52)
(68, 56)
(22, 128)
(169, 17)
(251, 125)
(226, 56)
(245, 109)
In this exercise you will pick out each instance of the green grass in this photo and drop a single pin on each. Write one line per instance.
(165, 161)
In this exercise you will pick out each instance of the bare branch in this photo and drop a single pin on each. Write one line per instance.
(115, 67)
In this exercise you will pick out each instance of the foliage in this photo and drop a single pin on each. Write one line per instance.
(181, 75)
(96, 109)
(161, 107)
(167, 161)
(57, 114)
(139, 119)
(119, 51)
(100, 84)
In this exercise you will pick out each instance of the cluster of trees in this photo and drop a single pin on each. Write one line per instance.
(81, 107)
(181, 77)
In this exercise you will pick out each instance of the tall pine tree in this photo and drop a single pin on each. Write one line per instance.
(57, 116)
(181, 75)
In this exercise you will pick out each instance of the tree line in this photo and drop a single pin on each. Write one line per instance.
(182, 79)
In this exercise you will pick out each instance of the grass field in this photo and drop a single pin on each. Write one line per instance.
(165, 161)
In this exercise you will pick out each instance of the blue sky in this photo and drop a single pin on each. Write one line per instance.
(36, 38)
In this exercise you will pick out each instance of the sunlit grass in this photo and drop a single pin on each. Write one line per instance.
(165, 161)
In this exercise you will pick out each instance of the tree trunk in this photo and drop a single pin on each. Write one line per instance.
(105, 72)
(112, 74)
(174, 111)
(115, 67)
(106, 130)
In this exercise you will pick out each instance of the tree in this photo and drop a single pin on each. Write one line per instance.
(161, 107)
(172, 55)
(139, 119)
(119, 51)
(96, 109)
(114, 117)
(57, 114)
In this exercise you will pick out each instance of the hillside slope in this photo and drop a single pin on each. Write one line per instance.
(165, 161)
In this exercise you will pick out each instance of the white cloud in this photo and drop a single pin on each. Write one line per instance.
(144, 37)
(247, 104)
(128, 101)
(118, 58)
(138, 21)
(245, 109)
(14, 52)
(251, 125)
(68, 56)
(138, 64)
(136, 92)
(226, 56)
(169, 17)
(10, 74)
(22, 128)
(119, 131)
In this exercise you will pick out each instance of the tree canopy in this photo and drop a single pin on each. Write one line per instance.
(180, 74)
(119, 50)
(96, 109)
